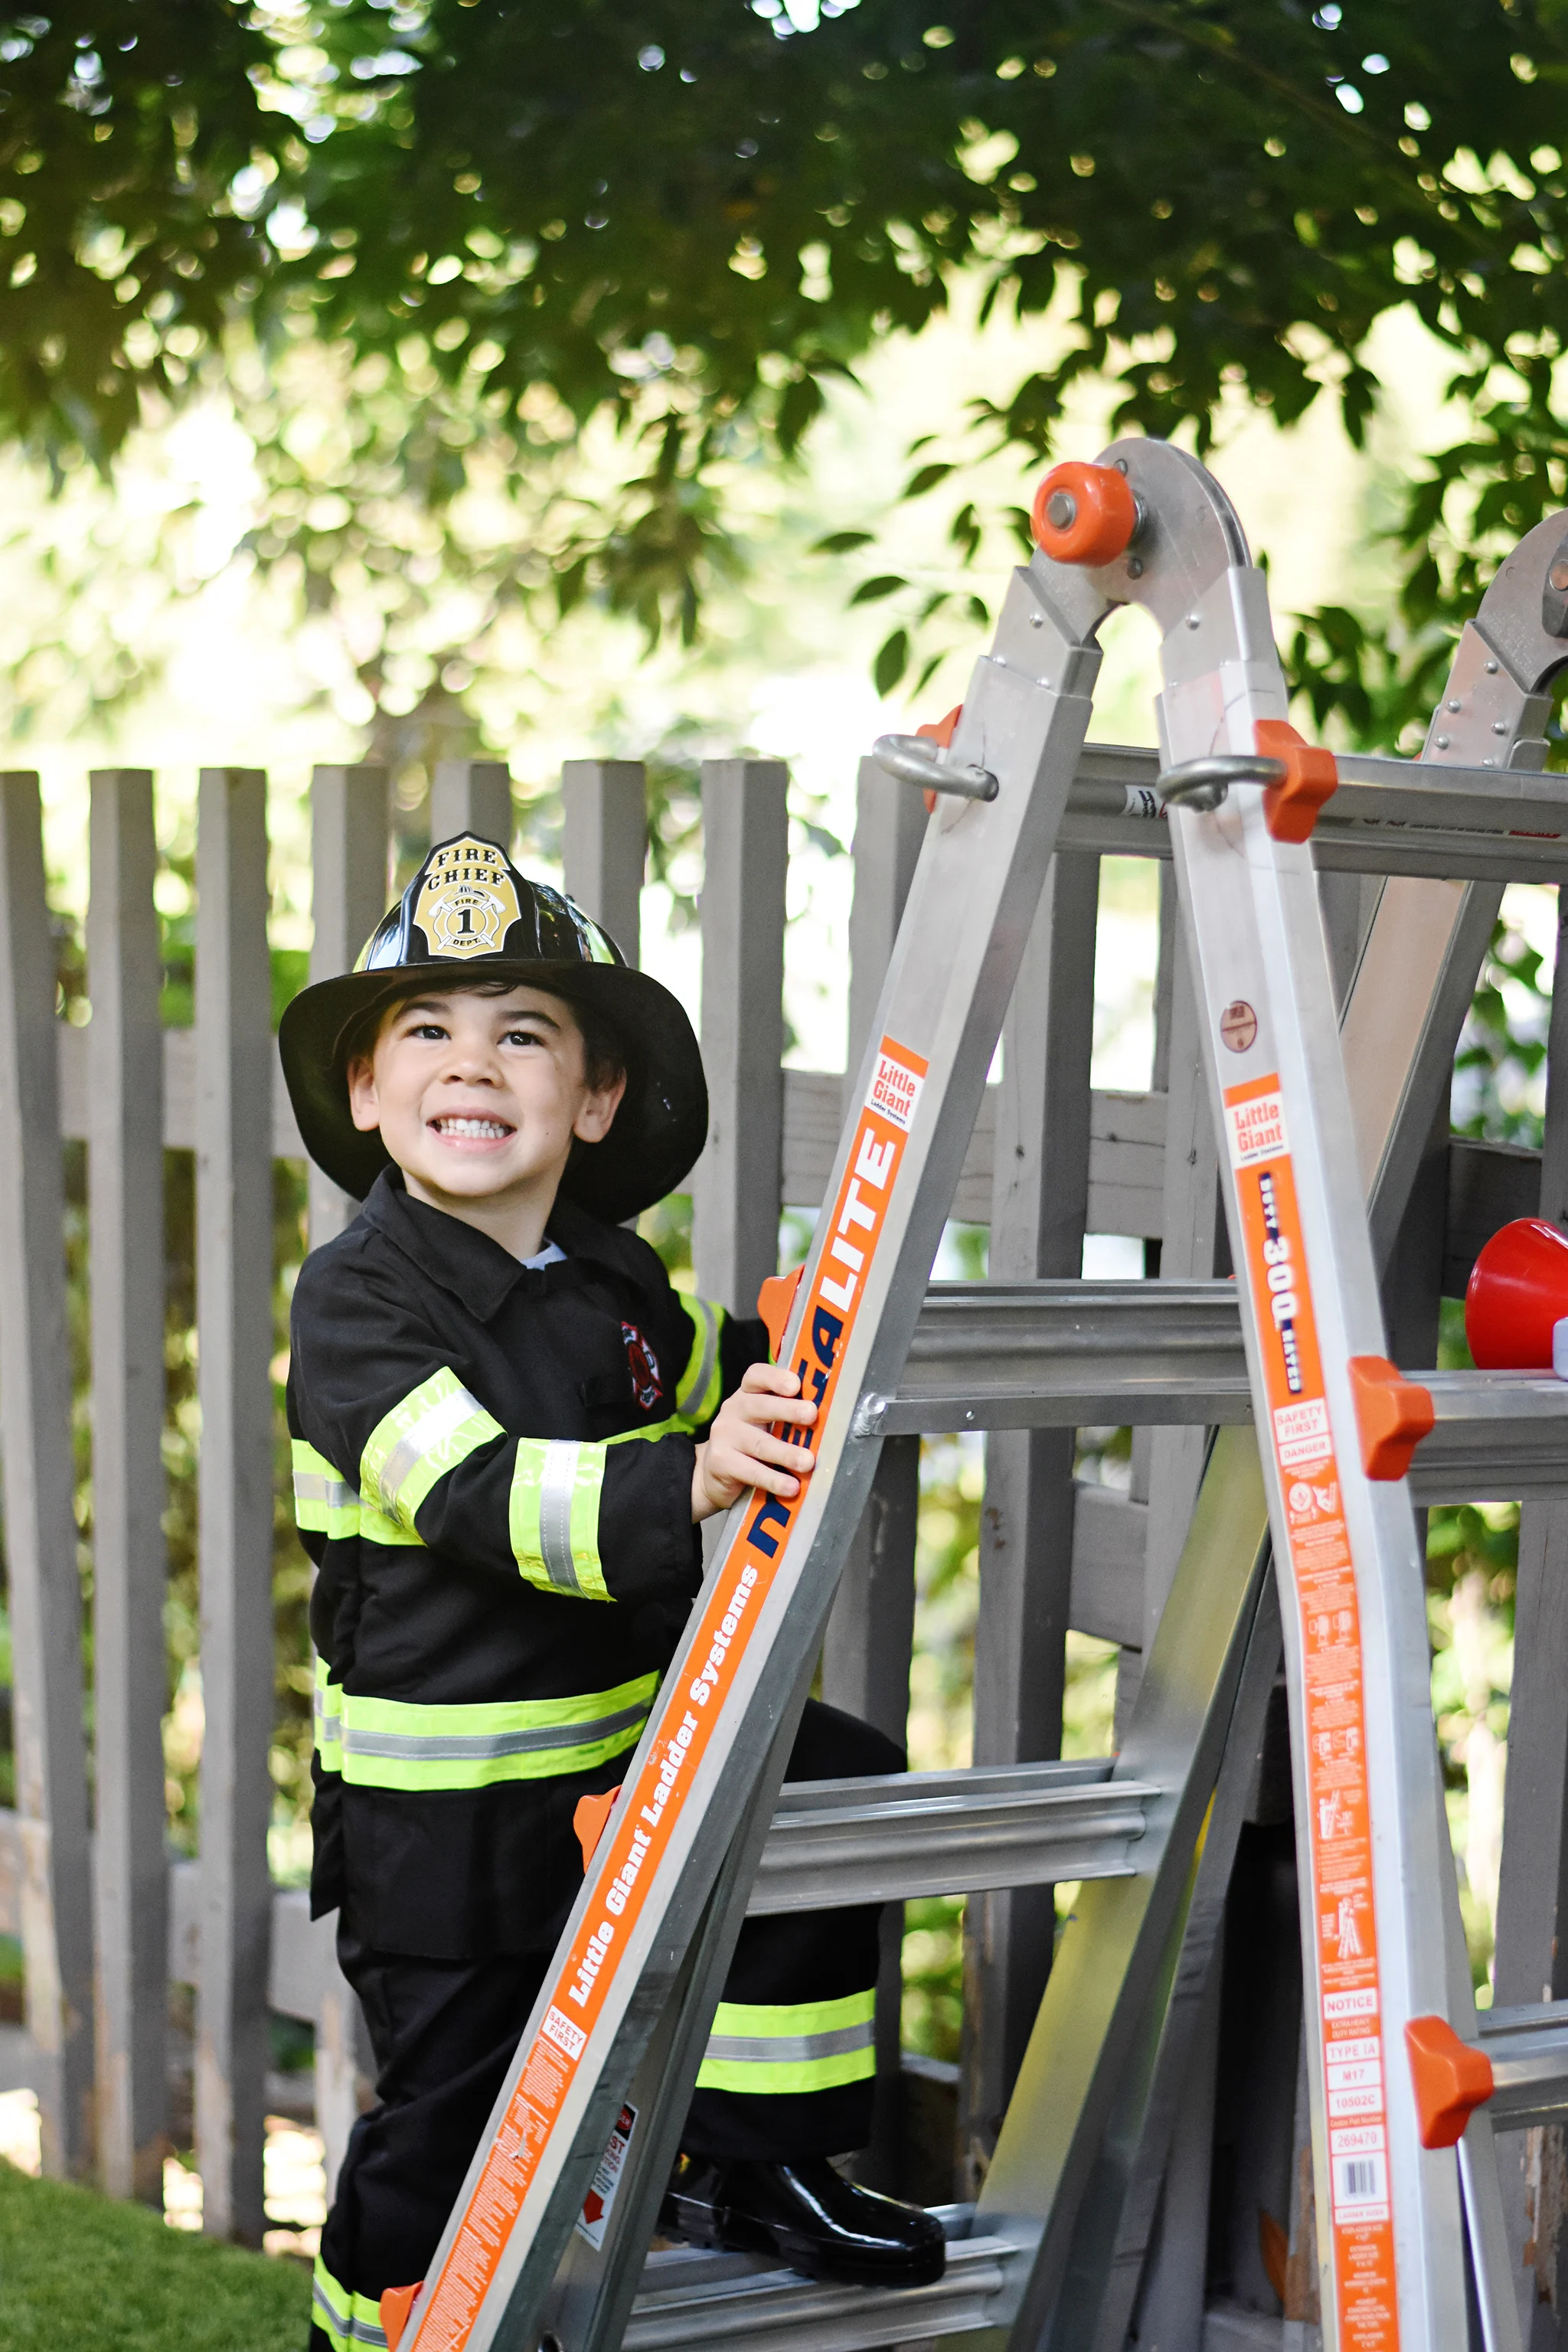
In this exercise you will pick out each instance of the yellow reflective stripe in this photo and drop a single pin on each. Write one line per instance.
(437, 1425)
(325, 1503)
(344, 2319)
(402, 1744)
(772, 2047)
(553, 1516)
(700, 1386)
(327, 1709)
(374, 1526)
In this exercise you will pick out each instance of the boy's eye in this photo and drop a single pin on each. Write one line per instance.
(523, 1038)
(427, 1030)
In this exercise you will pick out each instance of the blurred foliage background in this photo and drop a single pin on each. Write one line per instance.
(410, 379)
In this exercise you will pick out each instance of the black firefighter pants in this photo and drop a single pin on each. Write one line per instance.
(787, 2073)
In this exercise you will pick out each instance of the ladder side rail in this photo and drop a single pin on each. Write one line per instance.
(1410, 1037)
(1038, 1214)
(130, 1554)
(1025, 718)
(1388, 2212)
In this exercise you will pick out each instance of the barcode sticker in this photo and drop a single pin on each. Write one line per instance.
(1361, 2180)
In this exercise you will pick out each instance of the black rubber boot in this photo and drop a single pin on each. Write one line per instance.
(807, 2215)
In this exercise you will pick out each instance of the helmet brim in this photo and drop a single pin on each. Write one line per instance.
(659, 1130)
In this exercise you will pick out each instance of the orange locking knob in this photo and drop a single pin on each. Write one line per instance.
(938, 730)
(588, 1820)
(775, 1300)
(1452, 2078)
(1290, 807)
(1084, 514)
(1393, 1414)
(397, 2303)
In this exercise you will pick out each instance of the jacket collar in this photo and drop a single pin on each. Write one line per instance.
(467, 1263)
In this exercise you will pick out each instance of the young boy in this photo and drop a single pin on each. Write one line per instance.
(499, 1405)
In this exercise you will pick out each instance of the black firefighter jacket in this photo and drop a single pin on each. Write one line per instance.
(493, 1469)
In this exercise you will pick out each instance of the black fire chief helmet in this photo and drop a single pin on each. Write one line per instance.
(469, 914)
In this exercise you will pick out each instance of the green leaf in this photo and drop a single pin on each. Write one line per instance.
(871, 591)
(892, 660)
(841, 542)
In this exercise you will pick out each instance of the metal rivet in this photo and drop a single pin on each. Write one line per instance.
(1454, 706)
(1492, 670)
(1061, 509)
(1558, 575)
(1442, 742)
(1135, 567)
(1120, 464)
(1194, 621)
(1500, 726)
(1037, 620)
(1488, 764)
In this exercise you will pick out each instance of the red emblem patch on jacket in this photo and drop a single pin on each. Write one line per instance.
(643, 1366)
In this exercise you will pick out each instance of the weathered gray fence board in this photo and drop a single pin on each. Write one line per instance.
(745, 835)
(48, 1736)
(130, 1557)
(233, 1324)
(603, 844)
(1040, 1201)
(347, 898)
(471, 796)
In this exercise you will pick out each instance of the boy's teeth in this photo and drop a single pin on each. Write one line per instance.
(481, 1126)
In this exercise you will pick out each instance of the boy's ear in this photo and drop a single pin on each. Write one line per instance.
(595, 1118)
(364, 1108)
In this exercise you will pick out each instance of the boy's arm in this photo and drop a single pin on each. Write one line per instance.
(428, 1464)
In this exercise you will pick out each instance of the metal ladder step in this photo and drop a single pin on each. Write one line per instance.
(688, 2298)
(1528, 2051)
(1068, 1355)
(834, 1842)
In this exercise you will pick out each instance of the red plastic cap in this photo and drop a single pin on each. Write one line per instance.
(1392, 1415)
(1518, 1289)
(1084, 514)
(1452, 2078)
(1311, 777)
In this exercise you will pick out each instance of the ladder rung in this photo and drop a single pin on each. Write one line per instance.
(1040, 1355)
(1528, 2051)
(836, 1843)
(1497, 1436)
(695, 2298)
(1066, 1355)
(1387, 816)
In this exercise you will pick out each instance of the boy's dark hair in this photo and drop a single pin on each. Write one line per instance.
(604, 1054)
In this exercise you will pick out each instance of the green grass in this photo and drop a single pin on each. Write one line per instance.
(78, 2273)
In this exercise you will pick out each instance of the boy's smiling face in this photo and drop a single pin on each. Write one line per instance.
(478, 1099)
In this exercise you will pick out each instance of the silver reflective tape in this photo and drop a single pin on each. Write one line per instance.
(695, 1388)
(312, 1486)
(556, 1482)
(762, 2049)
(472, 1747)
(354, 2330)
(426, 1433)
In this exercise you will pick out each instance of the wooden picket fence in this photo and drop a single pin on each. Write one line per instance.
(105, 1921)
